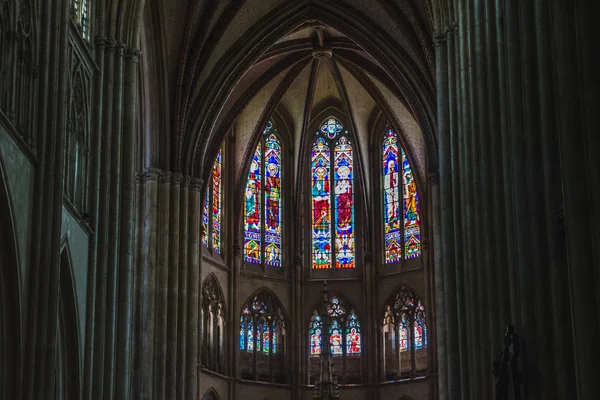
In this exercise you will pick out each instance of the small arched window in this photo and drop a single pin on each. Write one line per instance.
(345, 342)
(332, 210)
(404, 333)
(401, 221)
(213, 325)
(262, 339)
(211, 211)
(80, 13)
(263, 202)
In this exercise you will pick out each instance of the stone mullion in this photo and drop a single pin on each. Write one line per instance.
(448, 268)
(233, 300)
(172, 266)
(193, 289)
(563, 351)
(182, 289)
(94, 201)
(48, 362)
(113, 225)
(103, 222)
(161, 303)
(574, 105)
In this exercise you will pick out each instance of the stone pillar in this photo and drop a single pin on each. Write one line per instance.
(182, 292)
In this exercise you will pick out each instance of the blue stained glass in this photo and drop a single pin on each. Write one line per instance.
(321, 206)
(252, 216)
(344, 204)
(391, 199)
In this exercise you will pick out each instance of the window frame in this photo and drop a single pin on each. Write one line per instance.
(208, 200)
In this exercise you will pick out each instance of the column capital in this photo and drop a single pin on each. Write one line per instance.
(133, 55)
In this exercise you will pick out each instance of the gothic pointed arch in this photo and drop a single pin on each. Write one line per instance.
(68, 361)
(345, 340)
(211, 394)
(404, 335)
(262, 338)
(213, 320)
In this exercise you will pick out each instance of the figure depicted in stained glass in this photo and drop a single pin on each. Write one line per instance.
(252, 214)
(321, 205)
(205, 218)
(315, 335)
(403, 333)
(353, 335)
(273, 201)
(335, 338)
(216, 204)
(344, 205)
(412, 229)
(391, 199)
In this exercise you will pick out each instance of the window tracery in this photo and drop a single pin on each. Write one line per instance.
(80, 13)
(404, 331)
(345, 341)
(262, 339)
(213, 325)
(333, 241)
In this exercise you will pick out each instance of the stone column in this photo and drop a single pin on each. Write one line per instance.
(182, 291)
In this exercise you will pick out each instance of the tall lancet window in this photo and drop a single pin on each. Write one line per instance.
(262, 339)
(213, 325)
(263, 203)
(332, 210)
(345, 341)
(404, 336)
(212, 212)
(401, 222)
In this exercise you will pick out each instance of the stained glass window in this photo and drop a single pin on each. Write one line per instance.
(262, 330)
(391, 199)
(212, 212)
(412, 224)
(335, 337)
(80, 13)
(353, 339)
(264, 182)
(401, 222)
(205, 219)
(344, 205)
(315, 335)
(406, 315)
(216, 204)
(340, 230)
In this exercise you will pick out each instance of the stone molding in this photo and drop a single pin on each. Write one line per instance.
(159, 175)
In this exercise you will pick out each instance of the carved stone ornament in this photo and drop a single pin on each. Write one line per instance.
(321, 54)
(196, 184)
(150, 174)
(133, 55)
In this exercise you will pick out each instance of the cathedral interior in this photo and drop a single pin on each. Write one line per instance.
(299, 199)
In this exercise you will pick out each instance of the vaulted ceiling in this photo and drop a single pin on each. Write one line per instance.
(232, 65)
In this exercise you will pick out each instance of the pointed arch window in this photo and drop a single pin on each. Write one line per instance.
(332, 210)
(401, 220)
(345, 341)
(404, 336)
(262, 339)
(263, 202)
(212, 213)
(213, 324)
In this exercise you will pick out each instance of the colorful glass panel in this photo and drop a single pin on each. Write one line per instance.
(418, 332)
(331, 128)
(249, 335)
(315, 336)
(265, 339)
(216, 204)
(242, 333)
(391, 199)
(412, 223)
(335, 337)
(274, 340)
(321, 205)
(205, 218)
(403, 333)
(344, 205)
(336, 308)
(353, 338)
(252, 215)
(273, 201)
